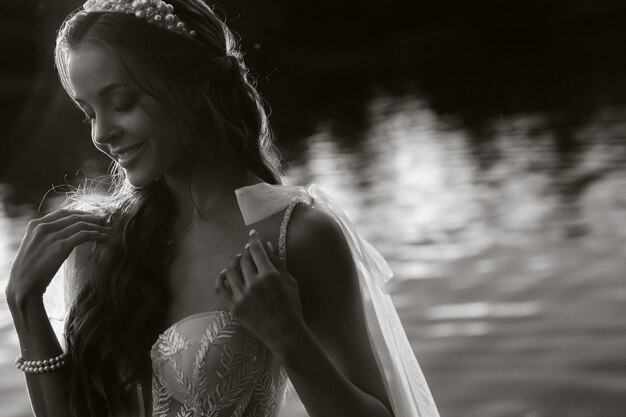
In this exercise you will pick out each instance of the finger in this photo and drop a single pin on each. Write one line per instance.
(224, 293)
(80, 237)
(76, 227)
(62, 213)
(232, 264)
(75, 218)
(258, 252)
(271, 254)
(222, 289)
(236, 284)
(60, 223)
(234, 277)
(270, 247)
(57, 214)
(51, 217)
(223, 282)
(248, 269)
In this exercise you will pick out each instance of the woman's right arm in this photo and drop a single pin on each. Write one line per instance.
(48, 241)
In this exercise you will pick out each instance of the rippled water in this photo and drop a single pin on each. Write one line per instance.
(509, 252)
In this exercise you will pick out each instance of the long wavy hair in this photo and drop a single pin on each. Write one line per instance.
(119, 307)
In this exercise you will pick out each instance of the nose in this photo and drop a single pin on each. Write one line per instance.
(104, 131)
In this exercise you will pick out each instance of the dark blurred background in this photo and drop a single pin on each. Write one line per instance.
(316, 61)
(479, 145)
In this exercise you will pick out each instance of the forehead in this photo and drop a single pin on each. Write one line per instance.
(91, 67)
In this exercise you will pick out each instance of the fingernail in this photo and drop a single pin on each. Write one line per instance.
(239, 255)
(247, 246)
(269, 245)
(222, 271)
(252, 231)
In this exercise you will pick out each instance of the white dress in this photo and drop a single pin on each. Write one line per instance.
(208, 364)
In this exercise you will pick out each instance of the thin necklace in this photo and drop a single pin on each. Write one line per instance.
(171, 241)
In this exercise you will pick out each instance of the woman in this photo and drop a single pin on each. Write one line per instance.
(182, 300)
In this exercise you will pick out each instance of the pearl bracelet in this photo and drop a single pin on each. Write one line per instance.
(40, 366)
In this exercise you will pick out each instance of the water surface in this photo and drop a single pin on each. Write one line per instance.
(508, 250)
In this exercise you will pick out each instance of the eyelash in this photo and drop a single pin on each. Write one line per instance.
(123, 107)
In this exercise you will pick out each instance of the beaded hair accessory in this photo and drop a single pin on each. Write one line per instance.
(156, 12)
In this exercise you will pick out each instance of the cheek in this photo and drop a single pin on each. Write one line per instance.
(177, 141)
(169, 143)
(168, 146)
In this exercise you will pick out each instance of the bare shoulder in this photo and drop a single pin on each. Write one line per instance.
(313, 236)
(319, 257)
(310, 229)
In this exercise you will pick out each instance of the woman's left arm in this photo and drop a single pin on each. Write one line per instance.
(309, 314)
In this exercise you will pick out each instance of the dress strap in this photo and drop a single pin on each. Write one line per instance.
(282, 237)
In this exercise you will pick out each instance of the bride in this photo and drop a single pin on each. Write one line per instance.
(199, 284)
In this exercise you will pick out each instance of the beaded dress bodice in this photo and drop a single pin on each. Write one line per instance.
(208, 364)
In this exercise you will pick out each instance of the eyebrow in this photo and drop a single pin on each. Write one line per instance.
(103, 91)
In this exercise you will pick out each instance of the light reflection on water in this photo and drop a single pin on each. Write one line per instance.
(415, 185)
(483, 310)
(508, 253)
(508, 250)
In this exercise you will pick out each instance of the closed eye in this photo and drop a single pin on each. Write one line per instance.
(123, 105)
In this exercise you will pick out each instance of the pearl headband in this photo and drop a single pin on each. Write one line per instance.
(157, 12)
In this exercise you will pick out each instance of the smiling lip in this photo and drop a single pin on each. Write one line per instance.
(127, 154)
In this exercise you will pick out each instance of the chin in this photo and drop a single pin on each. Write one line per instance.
(140, 179)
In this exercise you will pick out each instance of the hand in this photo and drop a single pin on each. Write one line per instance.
(47, 243)
(257, 288)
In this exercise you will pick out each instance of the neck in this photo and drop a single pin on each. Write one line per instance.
(203, 190)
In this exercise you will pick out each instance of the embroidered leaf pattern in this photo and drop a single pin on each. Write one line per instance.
(161, 399)
(269, 391)
(183, 383)
(171, 342)
(200, 373)
(186, 411)
(245, 381)
(236, 374)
